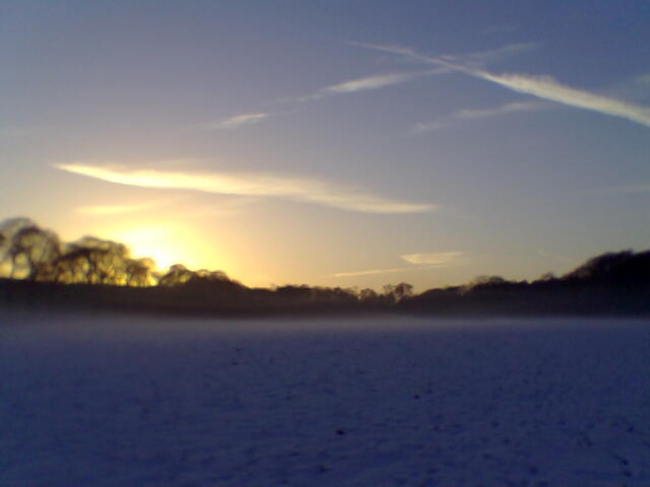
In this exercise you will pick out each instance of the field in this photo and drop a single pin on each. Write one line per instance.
(138, 401)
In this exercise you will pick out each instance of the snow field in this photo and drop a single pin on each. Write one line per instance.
(141, 401)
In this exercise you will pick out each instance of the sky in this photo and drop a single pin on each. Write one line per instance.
(332, 142)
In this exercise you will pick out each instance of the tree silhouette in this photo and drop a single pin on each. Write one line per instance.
(177, 274)
(140, 272)
(30, 252)
(368, 295)
(93, 261)
(397, 292)
(27, 250)
(614, 282)
(614, 268)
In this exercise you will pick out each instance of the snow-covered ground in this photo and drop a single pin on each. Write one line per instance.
(137, 401)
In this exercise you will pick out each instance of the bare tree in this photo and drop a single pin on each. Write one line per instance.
(26, 250)
(93, 261)
(396, 292)
(177, 274)
(140, 272)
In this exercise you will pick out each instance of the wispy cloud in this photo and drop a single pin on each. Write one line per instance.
(372, 272)
(451, 63)
(108, 210)
(378, 81)
(367, 83)
(547, 88)
(424, 127)
(229, 207)
(237, 121)
(476, 114)
(543, 87)
(252, 184)
(420, 262)
(112, 209)
(482, 58)
(433, 258)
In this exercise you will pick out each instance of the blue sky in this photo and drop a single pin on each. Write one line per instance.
(340, 143)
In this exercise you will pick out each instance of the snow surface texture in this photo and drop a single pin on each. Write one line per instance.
(134, 401)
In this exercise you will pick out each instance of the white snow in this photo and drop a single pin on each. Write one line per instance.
(134, 401)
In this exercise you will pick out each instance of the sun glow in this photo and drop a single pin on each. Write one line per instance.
(166, 245)
(154, 243)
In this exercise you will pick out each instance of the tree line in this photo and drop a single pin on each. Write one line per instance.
(29, 252)
(37, 267)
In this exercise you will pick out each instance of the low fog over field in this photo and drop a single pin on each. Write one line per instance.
(130, 400)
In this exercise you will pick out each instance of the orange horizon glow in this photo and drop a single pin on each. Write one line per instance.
(167, 245)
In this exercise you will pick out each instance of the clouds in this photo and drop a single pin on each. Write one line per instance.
(476, 114)
(465, 62)
(112, 209)
(356, 85)
(123, 209)
(481, 58)
(469, 63)
(433, 258)
(372, 272)
(542, 87)
(300, 189)
(469, 114)
(419, 262)
(237, 121)
(547, 88)
(174, 207)
(368, 83)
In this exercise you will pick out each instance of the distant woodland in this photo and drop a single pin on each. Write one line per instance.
(37, 269)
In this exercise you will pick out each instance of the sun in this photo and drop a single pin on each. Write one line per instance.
(166, 245)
